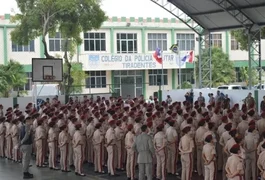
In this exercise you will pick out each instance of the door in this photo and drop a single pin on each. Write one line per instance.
(127, 87)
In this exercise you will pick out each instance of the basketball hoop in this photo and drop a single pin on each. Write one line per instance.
(48, 77)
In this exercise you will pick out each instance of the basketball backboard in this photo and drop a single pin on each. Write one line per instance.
(47, 70)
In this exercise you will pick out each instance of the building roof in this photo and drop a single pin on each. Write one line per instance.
(217, 15)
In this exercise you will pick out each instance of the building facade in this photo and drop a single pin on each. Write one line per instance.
(118, 57)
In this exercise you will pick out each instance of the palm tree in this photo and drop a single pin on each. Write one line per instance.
(12, 77)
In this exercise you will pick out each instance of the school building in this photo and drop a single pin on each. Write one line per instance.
(119, 56)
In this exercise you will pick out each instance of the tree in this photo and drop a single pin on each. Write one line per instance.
(222, 69)
(242, 37)
(78, 76)
(12, 77)
(244, 75)
(38, 18)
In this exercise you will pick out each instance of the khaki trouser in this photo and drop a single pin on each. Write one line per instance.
(98, 155)
(130, 164)
(225, 157)
(219, 150)
(52, 154)
(111, 164)
(187, 164)
(118, 155)
(2, 147)
(39, 153)
(251, 168)
(90, 151)
(200, 164)
(238, 178)
(64, 162)
(161, 164)
(78, 160)
(172, 161)
(210, 171)
(9, 148)
(16, 151)
(71, 154)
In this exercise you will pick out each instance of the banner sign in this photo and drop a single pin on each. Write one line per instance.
(132, 61)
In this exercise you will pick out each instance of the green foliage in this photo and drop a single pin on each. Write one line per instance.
(223, 71)
(244, 75)
(78, 77)
(38, 18)
(185, 85)
(242, 37)
(12, 76)
(70, 17)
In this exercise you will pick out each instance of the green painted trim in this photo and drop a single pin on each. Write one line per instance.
(147, 28)
(173, 20)
(7, 26)
(114, 19)
(41, 48)
(227, 42)
(144, 83)
(143, 34)
(5, 45)
(256, 97)
(123, 19)
(14, 101)
(7, 16)
(112, 40)
(125, 28)
(173, 39)
(157, 20)
(27, 67)
(165, 20)
(143, 39)
(140, 19)
(173, 78)
(112, 81)
(132, 19)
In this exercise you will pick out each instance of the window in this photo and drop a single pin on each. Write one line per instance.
(156, 40)
(24, 48)
(56, 43)
(216, 40)
(94, 41)
(126, 43)
(155, 77)
(28, 85)
(234, 44)
(187, 75)
(96, 79)
(186, 42)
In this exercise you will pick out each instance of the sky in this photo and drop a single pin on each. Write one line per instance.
(119, 8)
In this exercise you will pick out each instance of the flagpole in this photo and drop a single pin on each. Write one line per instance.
(162, 76)
(179, 69)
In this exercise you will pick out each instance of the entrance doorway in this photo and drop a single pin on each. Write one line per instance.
(129, 83)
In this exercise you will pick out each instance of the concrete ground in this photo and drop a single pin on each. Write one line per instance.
(12, 171)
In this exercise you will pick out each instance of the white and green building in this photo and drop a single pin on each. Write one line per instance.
(117, 56)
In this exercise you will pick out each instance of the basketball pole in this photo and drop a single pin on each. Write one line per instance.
(35, 95)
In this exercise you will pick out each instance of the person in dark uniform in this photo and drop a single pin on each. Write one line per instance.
(26, 146)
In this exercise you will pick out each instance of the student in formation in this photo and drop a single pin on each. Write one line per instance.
(63, 141)
(209, 158)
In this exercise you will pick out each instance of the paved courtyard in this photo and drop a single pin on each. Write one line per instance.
(12, 171)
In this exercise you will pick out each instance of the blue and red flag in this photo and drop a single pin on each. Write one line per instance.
(158, 55)
(188, 57)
